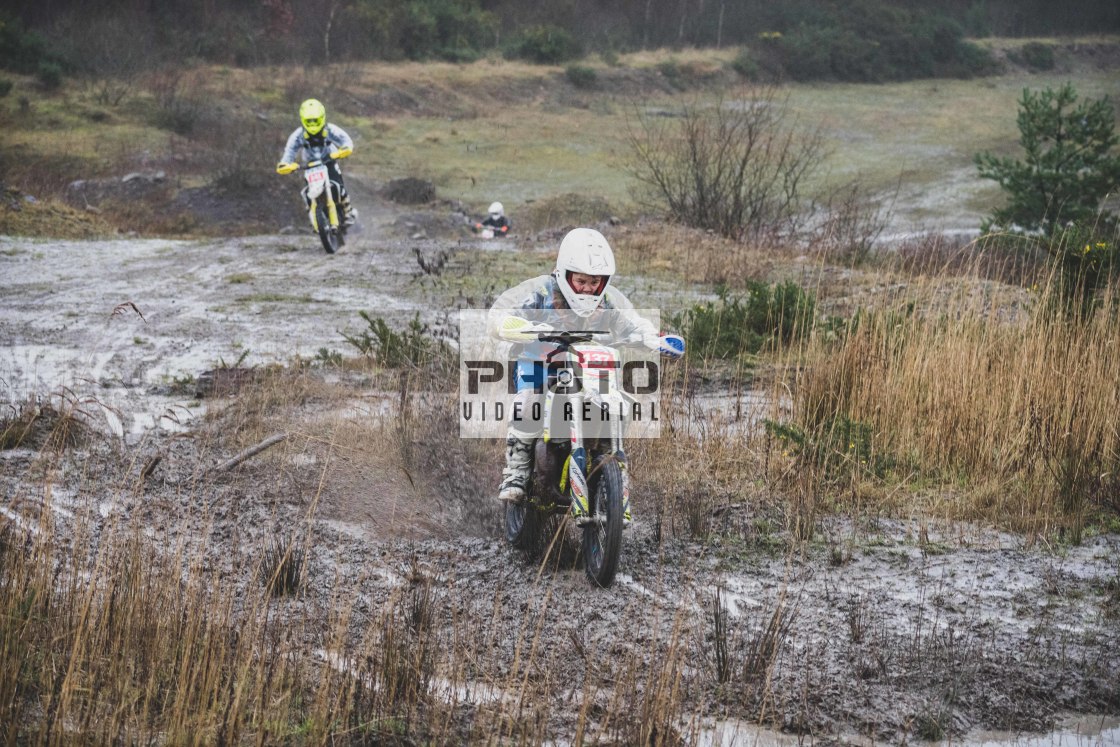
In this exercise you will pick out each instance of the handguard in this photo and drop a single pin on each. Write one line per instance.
(286, 168)
(341, 153)
(671, 346)
(516, 329)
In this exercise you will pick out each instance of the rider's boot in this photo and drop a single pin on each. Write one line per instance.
(350, 215)
(519, 461)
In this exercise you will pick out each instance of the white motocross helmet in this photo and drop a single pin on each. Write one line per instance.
(496, 210)
(586, 251)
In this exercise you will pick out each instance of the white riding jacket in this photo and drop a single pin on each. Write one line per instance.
(330, 139)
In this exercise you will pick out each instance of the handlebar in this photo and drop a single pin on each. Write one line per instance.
(289, 168)
(567, 338)
(669, 345)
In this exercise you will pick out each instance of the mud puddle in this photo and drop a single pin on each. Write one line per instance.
(131, 324)
(1075, 731)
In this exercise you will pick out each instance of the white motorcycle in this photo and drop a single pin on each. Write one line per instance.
(323, 205)
(488, 232)
(578, 468)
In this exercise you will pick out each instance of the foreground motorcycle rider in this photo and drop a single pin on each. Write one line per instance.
(578, 293)
(319, 140)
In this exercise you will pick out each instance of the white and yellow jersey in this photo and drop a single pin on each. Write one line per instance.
(332, 139)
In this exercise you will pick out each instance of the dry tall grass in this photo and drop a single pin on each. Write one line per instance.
(109, 632)
(146, 629)
(1011, 411)
(949, 390)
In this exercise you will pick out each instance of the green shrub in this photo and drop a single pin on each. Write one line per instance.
(746, 65)
(972, 60)
(671, 70)
(818, 52)
(21, 51)
(1088, 258)
(411, 348)
(50, 75)
(444, 29)
(871, 41)
(1036, 55)
(545, 45)
(1069, 167)
(839, 446)
(5, 87)
(749, 323)
(581, 76)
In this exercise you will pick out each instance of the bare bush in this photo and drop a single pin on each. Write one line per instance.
(736, 167)
(244, 164)
(852, 220)
(110, 48)
(178, 107)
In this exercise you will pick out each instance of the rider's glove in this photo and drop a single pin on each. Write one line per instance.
(341, 153)
(671, 346)
(286, 167)
(516, 329)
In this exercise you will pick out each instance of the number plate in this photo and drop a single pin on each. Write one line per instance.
(316, 175)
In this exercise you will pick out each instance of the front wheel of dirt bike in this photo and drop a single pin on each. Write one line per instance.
(602, 538)
(523, 526)
(330, 237)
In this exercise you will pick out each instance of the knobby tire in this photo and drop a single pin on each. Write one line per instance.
(331, 239)
(523, 526)
(602, 542)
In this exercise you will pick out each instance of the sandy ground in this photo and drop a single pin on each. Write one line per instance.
(889, 625)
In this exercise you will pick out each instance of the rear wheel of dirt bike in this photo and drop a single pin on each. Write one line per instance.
(602, 539)
(330, 237)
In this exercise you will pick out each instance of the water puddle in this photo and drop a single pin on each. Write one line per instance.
(1075, 731)
(1078, 731)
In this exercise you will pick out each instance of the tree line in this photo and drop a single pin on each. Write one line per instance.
(807, 39)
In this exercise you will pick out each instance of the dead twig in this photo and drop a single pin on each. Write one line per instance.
(150, 467)
(122, 308)
(250, 452)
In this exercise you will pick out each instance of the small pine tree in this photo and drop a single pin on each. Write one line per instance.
(1069, 168)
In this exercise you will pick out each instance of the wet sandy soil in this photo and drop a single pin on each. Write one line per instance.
(881, 630)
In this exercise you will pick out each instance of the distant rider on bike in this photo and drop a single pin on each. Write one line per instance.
(319, 140)
(495, 220)
(577, 295)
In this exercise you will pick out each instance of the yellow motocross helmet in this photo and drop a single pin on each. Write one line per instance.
(313, 116)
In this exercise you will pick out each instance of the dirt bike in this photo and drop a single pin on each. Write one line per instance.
(487, 232)
(575, 471)
(323, 206)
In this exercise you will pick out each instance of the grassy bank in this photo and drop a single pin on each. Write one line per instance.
(501, 129)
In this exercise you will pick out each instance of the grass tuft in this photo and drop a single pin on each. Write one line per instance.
(283, 568)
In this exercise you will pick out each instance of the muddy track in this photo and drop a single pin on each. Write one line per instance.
(887, 629)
